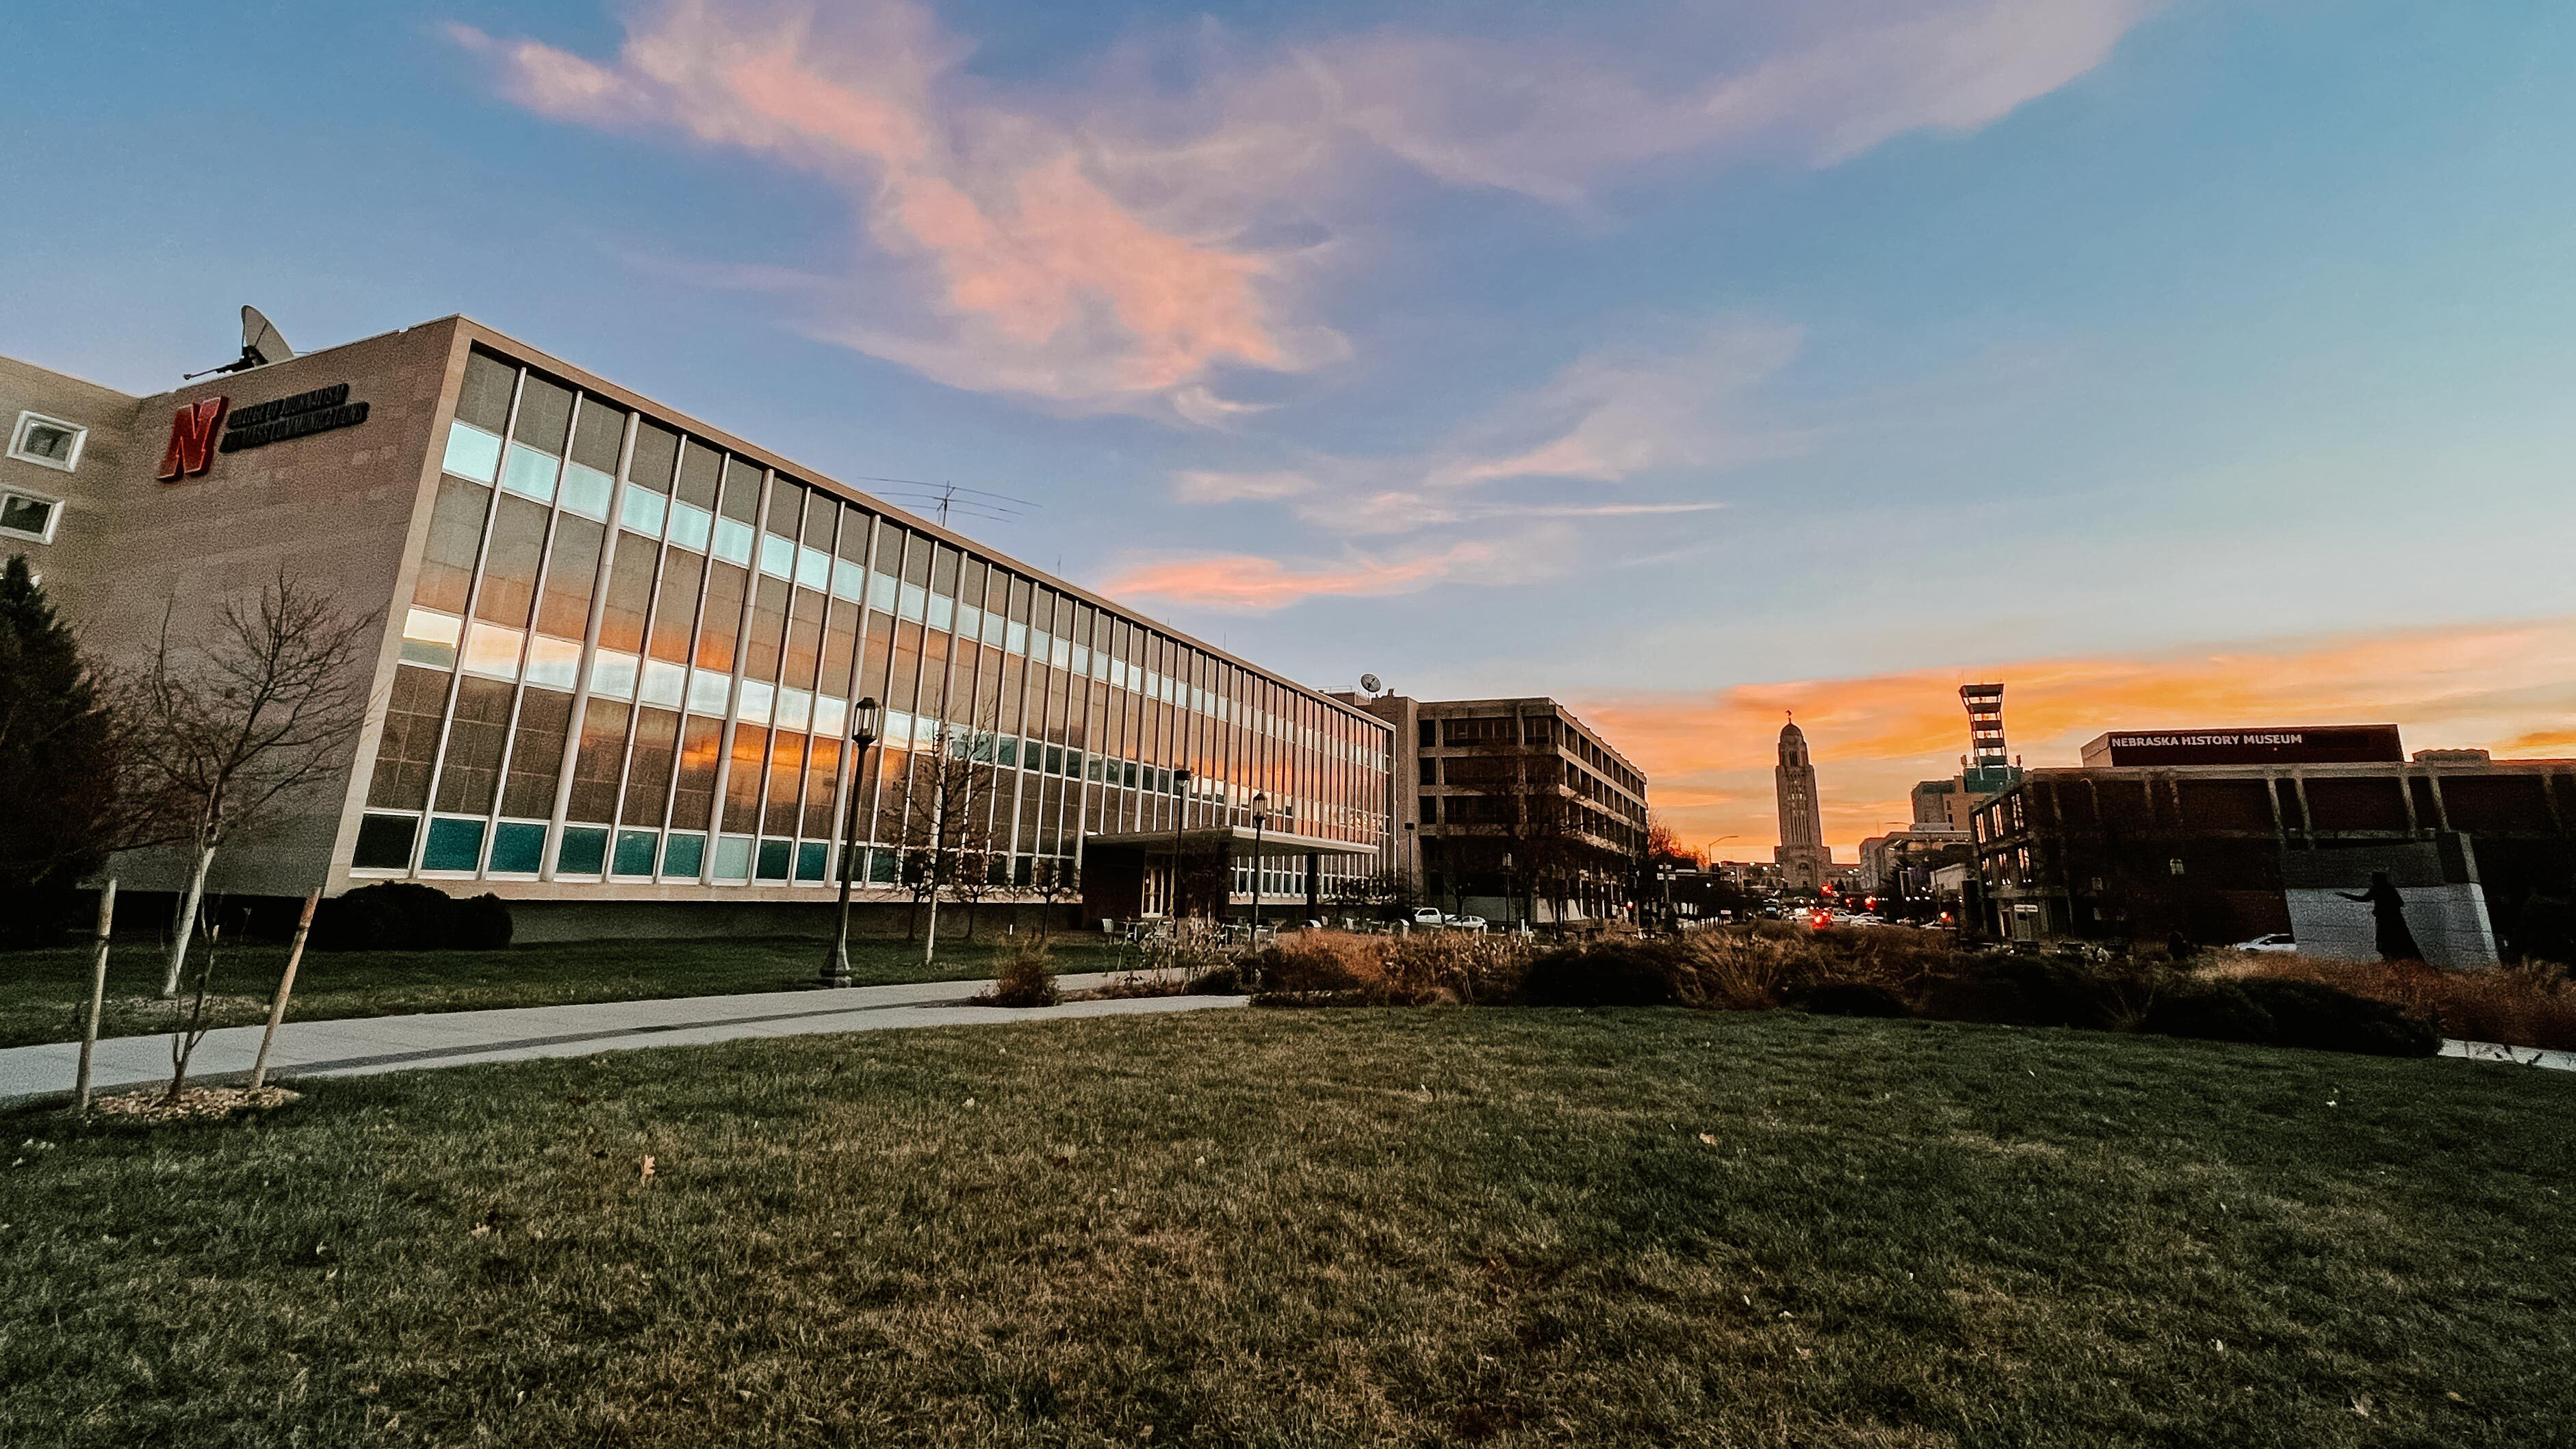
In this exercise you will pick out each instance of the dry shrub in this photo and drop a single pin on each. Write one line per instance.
(1026, 979)
(2531, 1005)
(1319, 968)
(1469, 966)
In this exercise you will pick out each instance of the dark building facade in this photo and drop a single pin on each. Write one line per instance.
(1511, 808)
(2481, 851)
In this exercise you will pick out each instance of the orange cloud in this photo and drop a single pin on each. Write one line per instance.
(1708, 757)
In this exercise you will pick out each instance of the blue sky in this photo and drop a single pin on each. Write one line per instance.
(1677, 360)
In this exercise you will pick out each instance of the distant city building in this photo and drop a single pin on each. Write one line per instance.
(1802, 855)
(1901, 862)
(2482, 852)
(1511, 808)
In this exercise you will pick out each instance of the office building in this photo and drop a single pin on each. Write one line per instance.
(617, 649)
(2277, 835)
(1512, 809)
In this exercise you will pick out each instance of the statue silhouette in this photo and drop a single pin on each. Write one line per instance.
(2388, 912)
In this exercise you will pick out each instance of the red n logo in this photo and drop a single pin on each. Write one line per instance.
(192, 439)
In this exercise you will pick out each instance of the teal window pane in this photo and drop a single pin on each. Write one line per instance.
(518, 848)
(472, 453)
(774, 858)
(849, 581)
(733, 858)
(777, 555)
(384, 842)
(689, 526)
(583, 852)
(912, 601)
(530, 472)
(684, 857)
(641, 510)
(453, 845)
(943, 610)
(733, 540)
(1010, 752)
(635, 852)
(881, 593)
(586, 491)
(881, 866)
(813, 568)
(811, 859)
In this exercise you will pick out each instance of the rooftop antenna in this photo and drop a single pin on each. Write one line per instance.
(1370, 684)
(262, 344)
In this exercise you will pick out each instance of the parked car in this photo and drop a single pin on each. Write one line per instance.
(1428, 918)
(1466, 923)
(2276, 941)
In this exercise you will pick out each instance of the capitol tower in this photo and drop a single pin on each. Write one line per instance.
(1802, 856)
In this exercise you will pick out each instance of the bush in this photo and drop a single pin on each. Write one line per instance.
(2063, 993)
(388, 916)
(1321, 968)
(479, 923)
(1613, 974)
(2530, 1005)
(2310, 1014)
(1223, 979)
(2209, 1011)
(1852, 998)
(1026, 979)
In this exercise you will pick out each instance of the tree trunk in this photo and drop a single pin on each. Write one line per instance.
(188, 903)
(930, 937)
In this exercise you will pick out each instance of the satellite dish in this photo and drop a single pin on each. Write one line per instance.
(262, 344)
(1370, 683)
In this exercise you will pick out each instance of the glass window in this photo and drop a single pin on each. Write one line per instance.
(472, 453)
(776, 858)
(813, 568)
(508, 593)
(531, 473)
(409, 745)
(583, 852)
(733, 541)
(593, 797)
(701, 748)
(635, 850)
(517, 848)
(777, 556)
(662, 684)
(536, 754)
(642, 510)
(474, 738)
(822, 768)
(563, 609)
(586, 491)
(767, 634)
(555, 663)
(849, 581)
(545, 415)
(733, 859)
(430, 638)
(648, 772)
(683, 856)
(455, 536)
(742, 780)
(813, 860)
(709, 693)
(384, 842)
(454, 845)
(611, 674)
(484, 399)
(690, 525)
(493, 651)
(753, 700)
(675, 611)
(786, 776)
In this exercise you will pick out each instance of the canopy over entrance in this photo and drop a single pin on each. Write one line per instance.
(1236, 840)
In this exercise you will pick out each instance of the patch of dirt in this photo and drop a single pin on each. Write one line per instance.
(153, 1104)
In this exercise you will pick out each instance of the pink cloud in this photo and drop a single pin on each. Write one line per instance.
(1248, 581)
(1118, 241)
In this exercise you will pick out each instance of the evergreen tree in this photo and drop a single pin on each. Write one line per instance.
(58, 746)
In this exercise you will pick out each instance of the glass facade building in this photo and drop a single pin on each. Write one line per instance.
(629, 653)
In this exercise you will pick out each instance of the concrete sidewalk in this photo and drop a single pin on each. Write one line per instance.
(364, 1045)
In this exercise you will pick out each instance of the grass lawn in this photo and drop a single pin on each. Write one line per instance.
(42, 993)
(1322, 1227)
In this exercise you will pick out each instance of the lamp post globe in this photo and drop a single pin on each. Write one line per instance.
(867, 721)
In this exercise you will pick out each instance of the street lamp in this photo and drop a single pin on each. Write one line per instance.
(866, 718)
(1180, 807)
(1260, 814)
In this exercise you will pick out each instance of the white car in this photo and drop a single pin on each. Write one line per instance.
(1428, 918)
(1466, 923)
(2276, 941)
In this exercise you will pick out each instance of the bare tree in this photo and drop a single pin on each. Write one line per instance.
(229, 727)
(947, 817)
(1053, 878)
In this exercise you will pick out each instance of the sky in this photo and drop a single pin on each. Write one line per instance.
(2178, 364)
